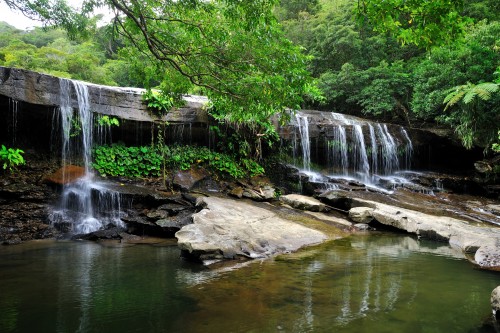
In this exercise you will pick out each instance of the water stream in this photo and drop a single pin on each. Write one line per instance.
(376, 283)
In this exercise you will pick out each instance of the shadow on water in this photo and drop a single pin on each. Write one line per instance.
(377, 283)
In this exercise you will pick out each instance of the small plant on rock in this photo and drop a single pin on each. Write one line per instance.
(10, 158)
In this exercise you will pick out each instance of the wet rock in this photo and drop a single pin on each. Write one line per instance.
(237, 192)
(495, 301)
(303, 202)
(268, 192)
(335, 198)
(229, 229)
(252, 194)
(363, 227)
(186, 180)
(488, 257)
(494, 209)
(66, 175)
(174, 208)
(126, 103)
(110, 233)
(157, 214)
(483, 167)
(361, 214)
(462, 234)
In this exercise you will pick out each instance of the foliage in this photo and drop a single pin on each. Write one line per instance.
(423, 23)
(134, 162)
(160, 102)
(108, 121)
(496, 146)
(467, 93)
(11, 158)
(470, 121)
(233, 50)
(184, 157)
(293, 9)
(137, 162)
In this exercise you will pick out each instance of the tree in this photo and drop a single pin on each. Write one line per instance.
(425, 23)
(233, 50)
(472, 120)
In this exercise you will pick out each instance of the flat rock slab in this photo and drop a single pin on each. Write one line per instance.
(469, 237)
(226, 229)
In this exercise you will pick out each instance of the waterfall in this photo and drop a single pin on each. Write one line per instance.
(14, 106)
(303, 126)
(408, 149)
(338, 150)
(86, 205)
(390, 161)
(374, 152)
(361, 158)
(354, 148)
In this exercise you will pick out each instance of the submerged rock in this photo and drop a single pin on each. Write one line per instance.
(227, 229)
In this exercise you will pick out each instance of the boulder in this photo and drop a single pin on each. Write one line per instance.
(303, 202)
(488, 257)
(186, 180)
(495, 300)
(66, 175)
(228, 229)
(237, 192)
(361, 214)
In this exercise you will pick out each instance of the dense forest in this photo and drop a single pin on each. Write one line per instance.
(359, 60)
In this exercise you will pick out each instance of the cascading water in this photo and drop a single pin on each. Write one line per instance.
(303, 125)
(338, 150)
(14, 107)
(390, 161)
(360, 156)
(409, 148)
(374, 151)
(355, 148)
(85, 204)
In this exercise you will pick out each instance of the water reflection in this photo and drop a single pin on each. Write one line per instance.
(382, 283)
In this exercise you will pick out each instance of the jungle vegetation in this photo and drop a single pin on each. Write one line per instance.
(414, 62)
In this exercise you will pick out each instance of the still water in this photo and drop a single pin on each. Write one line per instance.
(377, 283)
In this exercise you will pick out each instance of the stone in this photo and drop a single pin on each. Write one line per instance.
(361, 214)
(483, 167)
(363, 227)
(126, 103)
(268, 192)
(252, 194)
(237, 192)
(186, 180)
(495, 300)
(334, 198)
(488, 257)
(227, 229)
(461, 234)
(303, 202)
(66, 175)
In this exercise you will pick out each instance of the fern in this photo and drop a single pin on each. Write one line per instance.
(468, 92)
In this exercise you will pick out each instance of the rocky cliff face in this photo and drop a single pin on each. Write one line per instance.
(125, 103)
